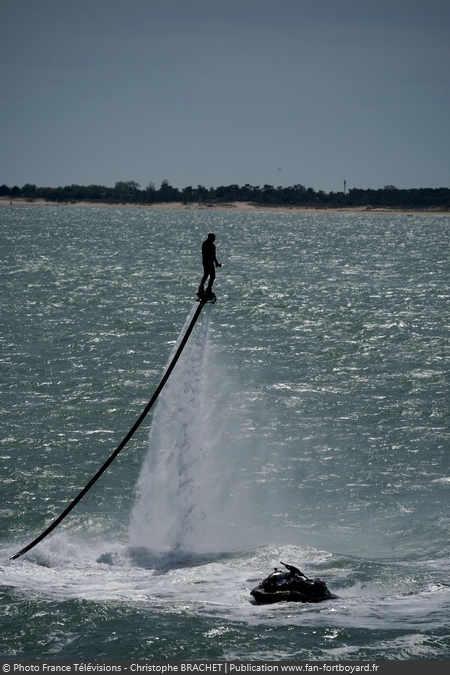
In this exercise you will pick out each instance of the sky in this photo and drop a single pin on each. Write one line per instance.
(220, 92)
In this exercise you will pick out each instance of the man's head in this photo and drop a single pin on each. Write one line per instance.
(211, 236)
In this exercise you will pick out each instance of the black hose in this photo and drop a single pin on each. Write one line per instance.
(122, 444)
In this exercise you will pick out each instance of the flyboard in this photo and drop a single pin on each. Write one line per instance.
(206, 298)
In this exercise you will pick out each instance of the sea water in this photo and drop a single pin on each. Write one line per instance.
(307, 421)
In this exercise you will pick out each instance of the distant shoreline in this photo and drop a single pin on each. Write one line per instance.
(227, 206)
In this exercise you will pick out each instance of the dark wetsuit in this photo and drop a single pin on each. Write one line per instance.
(209, 263)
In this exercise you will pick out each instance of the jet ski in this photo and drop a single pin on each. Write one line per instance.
(291, 586)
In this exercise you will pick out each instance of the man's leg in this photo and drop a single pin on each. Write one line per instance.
(201, 288)
(212, 276)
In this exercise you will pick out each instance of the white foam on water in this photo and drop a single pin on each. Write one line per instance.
(219, 586)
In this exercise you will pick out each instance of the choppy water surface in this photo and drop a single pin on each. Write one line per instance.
(307, 421)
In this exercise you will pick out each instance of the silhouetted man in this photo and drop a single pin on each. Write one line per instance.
(209, 265)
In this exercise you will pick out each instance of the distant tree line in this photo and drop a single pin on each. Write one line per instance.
(130, 192)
